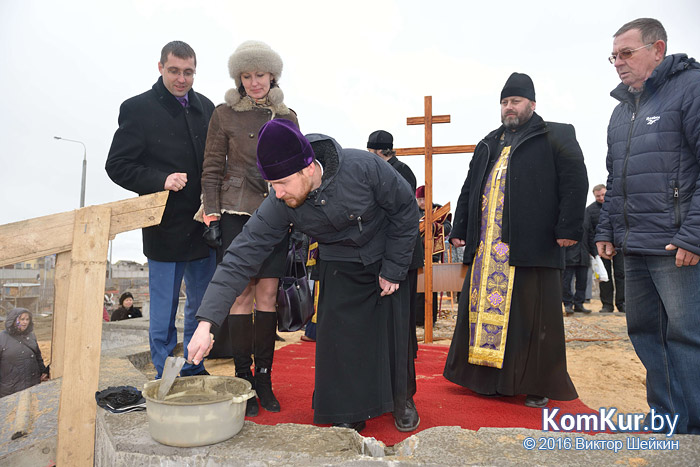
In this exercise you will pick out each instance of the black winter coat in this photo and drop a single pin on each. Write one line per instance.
(545, 196)
(417, 260)
(157, 136)
(592, 220)
(580, 254)
(21, 364)
(363, 212)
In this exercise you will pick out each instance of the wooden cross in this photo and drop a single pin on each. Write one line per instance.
(428, 119)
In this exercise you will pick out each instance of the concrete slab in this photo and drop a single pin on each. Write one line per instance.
(124, 440)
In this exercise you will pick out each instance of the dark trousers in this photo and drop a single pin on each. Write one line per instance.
(616, 271)
(580, 273)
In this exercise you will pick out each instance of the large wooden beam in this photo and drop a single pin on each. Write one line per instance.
(468, 148)
(61, 285)
(48, 235)
(83, 334)
(421, 120)
(428, 243)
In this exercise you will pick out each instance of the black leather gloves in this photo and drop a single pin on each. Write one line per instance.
(212, 234)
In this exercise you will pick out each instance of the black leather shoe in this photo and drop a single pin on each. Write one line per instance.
(536, 402)
(581, 309)
(606, 309)
(357, 426)
(569, 309)
(409, 420)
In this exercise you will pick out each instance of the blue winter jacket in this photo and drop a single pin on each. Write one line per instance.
(653, 163)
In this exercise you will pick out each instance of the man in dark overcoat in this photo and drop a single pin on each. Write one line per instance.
(523, 200)
(158, 146)
(364, 217)
(381, 143)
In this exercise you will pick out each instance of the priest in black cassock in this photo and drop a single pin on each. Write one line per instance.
(365, 219)
(523, 200)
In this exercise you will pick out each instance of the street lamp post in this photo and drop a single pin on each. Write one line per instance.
(82, 182)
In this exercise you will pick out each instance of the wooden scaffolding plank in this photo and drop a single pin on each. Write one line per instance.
(83, 331)
(60, 312)
(47, 235)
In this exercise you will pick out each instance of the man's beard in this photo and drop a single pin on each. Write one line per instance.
(296, 201)
(511, 121)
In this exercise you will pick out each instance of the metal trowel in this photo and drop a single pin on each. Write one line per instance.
(171, 369)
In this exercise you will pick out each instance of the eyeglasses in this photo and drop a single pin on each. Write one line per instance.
(174, 72)
(625, 54)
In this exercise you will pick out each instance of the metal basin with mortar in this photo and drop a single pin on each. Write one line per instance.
(198, 410)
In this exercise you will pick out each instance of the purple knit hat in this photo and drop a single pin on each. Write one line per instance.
(282, 150)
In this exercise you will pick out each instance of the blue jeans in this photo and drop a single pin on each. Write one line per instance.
(663, 322)
(164, 281)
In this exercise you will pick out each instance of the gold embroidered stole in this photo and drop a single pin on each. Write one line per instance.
(491, 281)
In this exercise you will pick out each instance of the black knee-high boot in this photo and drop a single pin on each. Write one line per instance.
(265, 331)
(241, 332)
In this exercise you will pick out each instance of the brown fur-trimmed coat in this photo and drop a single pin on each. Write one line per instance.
(231, 181)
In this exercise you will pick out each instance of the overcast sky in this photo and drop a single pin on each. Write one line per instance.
(349, 68)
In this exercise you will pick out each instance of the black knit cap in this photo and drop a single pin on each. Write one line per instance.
(519, 84)
(124, 296)
(380, 139)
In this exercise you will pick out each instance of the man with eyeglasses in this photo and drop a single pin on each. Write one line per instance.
(523, 200)
(651, 212)
(158, 146)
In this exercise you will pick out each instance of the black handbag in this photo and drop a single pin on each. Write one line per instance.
(295, 303)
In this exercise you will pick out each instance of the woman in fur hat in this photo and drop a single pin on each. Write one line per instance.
(232, 189)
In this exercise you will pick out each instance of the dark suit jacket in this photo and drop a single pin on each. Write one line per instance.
(157, 137)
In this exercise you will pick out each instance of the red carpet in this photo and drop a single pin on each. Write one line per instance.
(439, 402)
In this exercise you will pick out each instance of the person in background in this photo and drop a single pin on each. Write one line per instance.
(651, 212)
(158, 146)
(381, 143)
(126, 309)
(441, 229)
(578, 260)
(232, 189)
(21, 364)
(615, 267)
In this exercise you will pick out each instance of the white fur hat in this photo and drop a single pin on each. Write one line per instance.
(254, 56)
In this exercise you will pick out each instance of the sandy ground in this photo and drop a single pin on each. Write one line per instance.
(606, 373)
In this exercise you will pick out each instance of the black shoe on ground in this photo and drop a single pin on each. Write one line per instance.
(581, 309)
(568, 309)
(621, 309)
(409, 420)
(606, 309)
(536, 402)
(357, 426)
